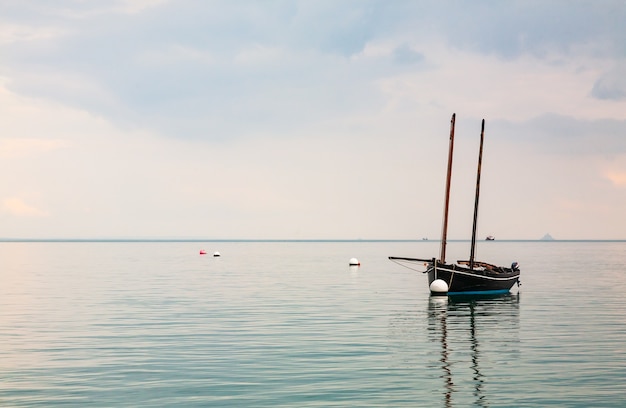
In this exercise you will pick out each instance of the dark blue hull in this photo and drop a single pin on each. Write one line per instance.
(465, 281)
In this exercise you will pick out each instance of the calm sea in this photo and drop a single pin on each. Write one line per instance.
(290, 324)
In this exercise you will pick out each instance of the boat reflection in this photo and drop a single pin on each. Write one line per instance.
(476, 334)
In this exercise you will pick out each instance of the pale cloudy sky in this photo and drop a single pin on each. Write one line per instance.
(310, 119)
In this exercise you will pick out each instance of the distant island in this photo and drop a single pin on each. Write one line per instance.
(547, 237)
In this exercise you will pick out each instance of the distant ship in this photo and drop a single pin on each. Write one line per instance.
(490, 238)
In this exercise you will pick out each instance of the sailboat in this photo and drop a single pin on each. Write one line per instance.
(463, 277)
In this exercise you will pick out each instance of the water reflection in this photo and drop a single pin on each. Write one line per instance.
(475, 335)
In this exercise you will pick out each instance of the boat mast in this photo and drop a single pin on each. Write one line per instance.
(444, 231)
(480, 160)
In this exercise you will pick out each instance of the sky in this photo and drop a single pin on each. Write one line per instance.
(311, 119)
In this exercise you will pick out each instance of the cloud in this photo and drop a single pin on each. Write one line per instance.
(25, 147)
(17, 207)
(78, 10)
(247, 118)
(220, 69)
(198, 71)
(617, 178)
(404, 54)
(22, 33)
(568, 136)
(612, 84)
(511, 29)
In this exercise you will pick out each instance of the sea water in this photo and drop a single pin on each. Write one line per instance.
(291, 324)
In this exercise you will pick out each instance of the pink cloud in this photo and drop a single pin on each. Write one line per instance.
(617, 178)
(18, 207)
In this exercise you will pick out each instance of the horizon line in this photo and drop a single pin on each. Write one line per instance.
(294, 240)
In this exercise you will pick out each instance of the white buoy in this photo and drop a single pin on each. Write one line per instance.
(216, 254)
(439, 287)
(354, 262)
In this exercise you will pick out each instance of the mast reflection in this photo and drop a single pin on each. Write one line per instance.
(475, 325)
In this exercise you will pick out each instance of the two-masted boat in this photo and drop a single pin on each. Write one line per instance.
(463, 277)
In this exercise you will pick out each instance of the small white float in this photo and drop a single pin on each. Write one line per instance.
(354, 262)
(216, 254)
(439, 287)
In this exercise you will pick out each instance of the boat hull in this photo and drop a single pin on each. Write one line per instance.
(466, 281)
